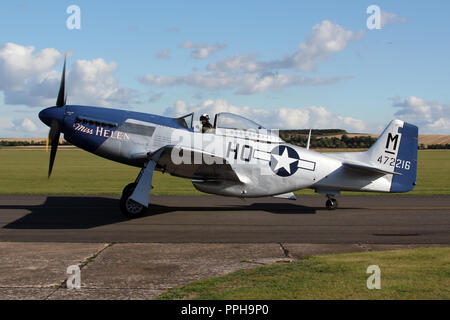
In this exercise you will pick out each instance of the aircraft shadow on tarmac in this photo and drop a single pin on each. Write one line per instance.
(78, 212)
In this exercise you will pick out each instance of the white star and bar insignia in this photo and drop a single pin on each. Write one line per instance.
(284, 161)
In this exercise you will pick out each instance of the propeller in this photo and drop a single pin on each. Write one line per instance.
(55, 128)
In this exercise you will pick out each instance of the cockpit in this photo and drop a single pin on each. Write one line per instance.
(223, 120)
(230, 124)
(226, 120)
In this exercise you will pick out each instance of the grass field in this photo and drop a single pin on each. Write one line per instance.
(405, 274)
(79, 172)
(75, 172)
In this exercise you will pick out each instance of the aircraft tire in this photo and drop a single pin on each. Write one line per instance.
(331, 204)
(128, 207)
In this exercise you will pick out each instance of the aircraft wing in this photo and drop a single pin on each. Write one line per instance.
(197, 164)
(352, 164)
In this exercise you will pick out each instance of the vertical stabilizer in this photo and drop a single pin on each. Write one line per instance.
(396, 151)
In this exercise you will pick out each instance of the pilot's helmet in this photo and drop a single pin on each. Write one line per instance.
(204, 116)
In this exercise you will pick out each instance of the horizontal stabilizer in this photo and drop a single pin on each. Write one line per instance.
(362, 166)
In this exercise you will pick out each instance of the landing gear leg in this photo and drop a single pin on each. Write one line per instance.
(331, 203)
(135, 196)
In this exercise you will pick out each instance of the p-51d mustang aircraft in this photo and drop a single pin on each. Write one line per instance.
(237, 157)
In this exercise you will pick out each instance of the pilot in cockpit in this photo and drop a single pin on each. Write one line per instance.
(206, 125)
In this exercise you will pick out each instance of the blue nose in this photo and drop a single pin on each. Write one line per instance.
(53, 113)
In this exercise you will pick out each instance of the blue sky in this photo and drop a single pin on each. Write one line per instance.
(315, 64)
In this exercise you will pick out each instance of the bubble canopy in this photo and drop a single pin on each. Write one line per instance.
(226, 120)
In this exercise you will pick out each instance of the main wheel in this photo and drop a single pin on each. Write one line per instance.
(331, 204)
(130, 208)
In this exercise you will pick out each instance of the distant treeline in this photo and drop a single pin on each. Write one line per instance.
(322, 139)
(315, 132)
(24, 143)
(437, 146)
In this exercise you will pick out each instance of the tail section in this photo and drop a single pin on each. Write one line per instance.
(396, 151)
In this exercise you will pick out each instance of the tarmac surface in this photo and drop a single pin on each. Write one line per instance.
(211, 219)
(183, 239)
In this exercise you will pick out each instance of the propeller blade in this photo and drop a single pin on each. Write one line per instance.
(55, 129)
(53, 138)
(61, 101)
(53, 150)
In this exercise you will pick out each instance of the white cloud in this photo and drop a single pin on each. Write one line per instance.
(28, 78)
(202, 50)
(19, 63)
(26, 125)
(441, 125)
(326, 38)
(92, 82)
(430, 116)
(242, 83)
(280, 118)
(242, 62)
(22, 127)
(245, 75)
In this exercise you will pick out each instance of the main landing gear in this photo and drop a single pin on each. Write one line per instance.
(135, 196)
(331, 203)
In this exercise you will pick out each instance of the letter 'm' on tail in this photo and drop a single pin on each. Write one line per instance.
(396, 151)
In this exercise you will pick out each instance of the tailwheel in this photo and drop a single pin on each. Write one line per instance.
(130, 208)
(331, 204)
